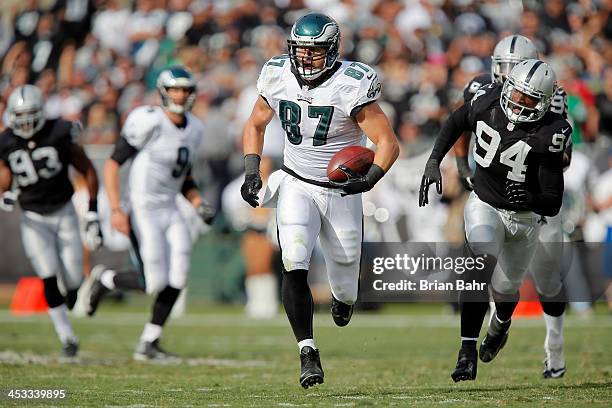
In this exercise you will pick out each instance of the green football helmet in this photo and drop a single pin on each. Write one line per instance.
(314, 30)
(176, 77)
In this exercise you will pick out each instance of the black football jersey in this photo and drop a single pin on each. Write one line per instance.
(40, 165)
(506, 151)
(474, 85)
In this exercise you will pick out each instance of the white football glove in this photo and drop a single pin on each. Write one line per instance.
(93, 234)
(206, 212)
(8, 200)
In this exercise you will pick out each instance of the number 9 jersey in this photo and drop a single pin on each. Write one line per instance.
(164, 155)
(318, 120)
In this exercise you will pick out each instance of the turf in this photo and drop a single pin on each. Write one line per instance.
(399, 358)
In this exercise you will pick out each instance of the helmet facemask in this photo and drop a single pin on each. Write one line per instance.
(524, 113)
(305, 57)
(171, 106)
(26, 123)
(501, 67)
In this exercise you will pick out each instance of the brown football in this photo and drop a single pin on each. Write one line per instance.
(357, 158)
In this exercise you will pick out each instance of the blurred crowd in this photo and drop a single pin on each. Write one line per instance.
(95, 60)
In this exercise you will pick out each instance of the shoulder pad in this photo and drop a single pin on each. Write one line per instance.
(555, 134)
(140, 125)
(271, 73)
(485, 97)
(474, 85)
(358, 85)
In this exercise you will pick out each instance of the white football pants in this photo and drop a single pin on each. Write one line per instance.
(164, 245)
(306, 212)
(512, 237)
(52, 242)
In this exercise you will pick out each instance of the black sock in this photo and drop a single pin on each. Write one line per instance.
(128, 280)
(52, 294)
(468, 344)
(472, 316)
(555, 305)
(71, 298)
(505, 305)
(297, 300)
(473, 305)
(163, 305)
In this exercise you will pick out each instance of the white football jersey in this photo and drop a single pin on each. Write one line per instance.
(317, 121)
(165, 154)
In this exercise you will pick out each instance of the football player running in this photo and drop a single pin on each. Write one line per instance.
(324, 105)
(518, 179)
(35, 155)
(546, 267)
(162, 142)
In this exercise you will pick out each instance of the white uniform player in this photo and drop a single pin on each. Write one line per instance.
(324, 105)
(163, 141)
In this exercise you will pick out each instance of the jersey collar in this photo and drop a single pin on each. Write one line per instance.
(319, 80)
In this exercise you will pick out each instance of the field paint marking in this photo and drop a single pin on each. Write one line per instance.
(15, 358)
(366, 321)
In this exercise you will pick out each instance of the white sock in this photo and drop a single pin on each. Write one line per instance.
(63, 328)
(107, 279)
(307, 342)
(469, 338)
(554, 331)
(151, 333)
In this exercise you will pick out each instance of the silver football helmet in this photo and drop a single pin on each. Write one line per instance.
(532, 80)
(508, 52)
(25, 110)
(176, 77)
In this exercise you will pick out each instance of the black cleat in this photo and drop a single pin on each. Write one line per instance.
(152, 351)
(494, 341)
(70, 348)
(554, 363)
(96, 290)
(467, 364)
(312, 372)
(341, 312)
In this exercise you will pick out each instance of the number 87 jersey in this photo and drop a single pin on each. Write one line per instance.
(318, 118)
(505, 151)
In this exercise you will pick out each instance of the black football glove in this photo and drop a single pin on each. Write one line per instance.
(250, 188)
(465, 173)
(430, 175)
(93, 233)
(355, 183)
(518, 196)
(252, 180)
(206, 212)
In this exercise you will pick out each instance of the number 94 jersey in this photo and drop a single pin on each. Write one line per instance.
(318, 121)
(505, 151)
(164, 157)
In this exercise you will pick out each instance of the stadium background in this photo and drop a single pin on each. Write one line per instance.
(95, 60)
(95, 63)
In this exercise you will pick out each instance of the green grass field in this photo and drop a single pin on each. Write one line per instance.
(402, 357)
